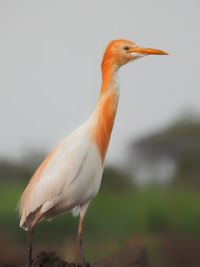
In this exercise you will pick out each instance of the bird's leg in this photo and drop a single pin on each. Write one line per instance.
(29, 248)
(37, 218)
(83, 209)
(80, 241)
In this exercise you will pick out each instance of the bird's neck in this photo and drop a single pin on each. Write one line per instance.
(106, 107)
(109, 76)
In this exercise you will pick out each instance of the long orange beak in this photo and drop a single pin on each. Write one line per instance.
(147, 51)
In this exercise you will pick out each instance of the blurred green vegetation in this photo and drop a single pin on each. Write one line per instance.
(113, 215)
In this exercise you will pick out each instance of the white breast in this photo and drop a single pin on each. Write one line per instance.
(71, 178)
(80, 174)
(85, 184)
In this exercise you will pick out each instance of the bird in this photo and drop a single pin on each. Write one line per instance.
(70, 176)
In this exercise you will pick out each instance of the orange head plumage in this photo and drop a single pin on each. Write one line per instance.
(120, 52)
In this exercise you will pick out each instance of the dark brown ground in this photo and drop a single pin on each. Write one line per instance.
(162, 251)
(130, 255)
(50, 259)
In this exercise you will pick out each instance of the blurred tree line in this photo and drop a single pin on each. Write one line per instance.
(22, 169)
(177, 146)
(179, 143)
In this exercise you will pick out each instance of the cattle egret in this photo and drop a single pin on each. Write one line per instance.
(70, 176)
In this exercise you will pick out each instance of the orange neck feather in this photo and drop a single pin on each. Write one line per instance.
(107, 106)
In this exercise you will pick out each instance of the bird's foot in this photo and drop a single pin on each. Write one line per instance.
(83, 263)
(30, 261)
(81, 259)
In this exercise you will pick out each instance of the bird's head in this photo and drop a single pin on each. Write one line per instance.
(120, 52)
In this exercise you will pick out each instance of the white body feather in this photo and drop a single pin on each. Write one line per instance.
(71, 178)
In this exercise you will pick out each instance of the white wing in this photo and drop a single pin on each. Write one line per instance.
(61, 182)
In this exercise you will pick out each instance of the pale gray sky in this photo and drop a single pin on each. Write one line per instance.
(50, 55)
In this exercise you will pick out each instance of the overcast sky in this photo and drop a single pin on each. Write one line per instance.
(50, 55)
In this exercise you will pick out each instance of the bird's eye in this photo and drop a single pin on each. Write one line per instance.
(126, 48)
